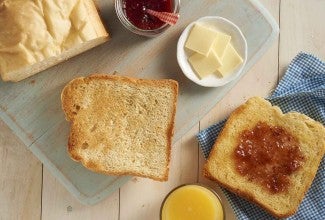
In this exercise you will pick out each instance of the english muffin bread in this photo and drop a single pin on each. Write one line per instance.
(265, 180)
(35, 35)
(121, 125)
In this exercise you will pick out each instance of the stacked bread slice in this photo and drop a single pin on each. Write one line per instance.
(121, 125)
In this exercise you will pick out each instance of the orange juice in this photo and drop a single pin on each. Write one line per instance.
(192, 202)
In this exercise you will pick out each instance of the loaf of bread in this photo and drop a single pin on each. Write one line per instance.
(267, 157)
(121, 125)
(35, 35)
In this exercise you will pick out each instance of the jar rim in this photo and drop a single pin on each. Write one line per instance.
(131, 27)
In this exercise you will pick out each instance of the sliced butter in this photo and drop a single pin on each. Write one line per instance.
(230, 60)
(220, 44)
(203, 65)
(201, 39)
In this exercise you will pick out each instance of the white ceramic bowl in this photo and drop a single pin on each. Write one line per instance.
(237, 39)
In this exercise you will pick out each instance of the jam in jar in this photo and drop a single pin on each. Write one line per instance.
(135, 12)
(268, 155)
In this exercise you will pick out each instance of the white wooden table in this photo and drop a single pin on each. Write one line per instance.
(28, 191)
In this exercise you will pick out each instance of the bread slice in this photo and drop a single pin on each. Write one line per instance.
(36, 35)
(221, 165)
(121, 125)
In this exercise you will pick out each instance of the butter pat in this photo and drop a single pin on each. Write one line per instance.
(213, 52)
(230, 60)
(220, 44)
(203, 65)
(201, 39)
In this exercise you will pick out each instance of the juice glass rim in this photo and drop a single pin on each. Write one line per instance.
(193, 184)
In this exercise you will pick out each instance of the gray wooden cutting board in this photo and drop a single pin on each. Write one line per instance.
(32, 108)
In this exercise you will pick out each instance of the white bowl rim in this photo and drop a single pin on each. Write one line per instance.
(192, 76)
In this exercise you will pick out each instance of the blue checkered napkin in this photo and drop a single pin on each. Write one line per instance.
(301, 89)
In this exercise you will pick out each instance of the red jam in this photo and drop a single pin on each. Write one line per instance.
(268, 155)
(135, 11)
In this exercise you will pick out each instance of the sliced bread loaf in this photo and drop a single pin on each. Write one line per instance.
(121, 125)
(267, 157)
(35, 35)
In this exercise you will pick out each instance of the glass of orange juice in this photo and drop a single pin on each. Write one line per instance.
(192, 202)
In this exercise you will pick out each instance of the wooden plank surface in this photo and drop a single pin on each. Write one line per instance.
(58, 203)
(302, 29)
(20, 179)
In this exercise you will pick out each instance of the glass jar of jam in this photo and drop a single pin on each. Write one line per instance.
(133, 15)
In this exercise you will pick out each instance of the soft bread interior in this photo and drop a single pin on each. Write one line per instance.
(35, 35)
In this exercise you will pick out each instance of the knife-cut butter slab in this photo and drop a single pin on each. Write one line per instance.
(203, 65)
(230, 61)
(201, 39)
(220, 44)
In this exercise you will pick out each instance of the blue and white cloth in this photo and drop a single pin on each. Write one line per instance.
(301, 89)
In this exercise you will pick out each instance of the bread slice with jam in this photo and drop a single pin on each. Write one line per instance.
(267, 157)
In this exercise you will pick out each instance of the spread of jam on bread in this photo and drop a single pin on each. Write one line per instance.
(135, 11)
(268, 155)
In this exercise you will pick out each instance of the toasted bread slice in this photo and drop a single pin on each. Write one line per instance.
(121, 125)
(221, 165)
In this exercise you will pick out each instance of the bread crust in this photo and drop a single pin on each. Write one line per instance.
(37, 47)
(67, 102)
(247, 194)
(93, 12)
